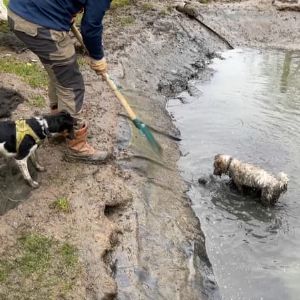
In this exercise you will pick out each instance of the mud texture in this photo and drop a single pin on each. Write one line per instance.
(10, 99)
(137, 235)
(161, 252)
(255, 23)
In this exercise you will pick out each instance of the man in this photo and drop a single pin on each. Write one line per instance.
(44, 25)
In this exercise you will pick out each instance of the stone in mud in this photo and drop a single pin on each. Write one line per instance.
(188, 9)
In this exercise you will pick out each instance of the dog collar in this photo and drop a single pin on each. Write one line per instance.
(229, 163)
(23, 129)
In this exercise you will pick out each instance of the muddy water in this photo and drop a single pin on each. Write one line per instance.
(248, 106)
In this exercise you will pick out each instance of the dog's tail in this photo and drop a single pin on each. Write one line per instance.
(283, 179)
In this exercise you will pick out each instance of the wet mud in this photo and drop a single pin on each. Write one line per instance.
(131, 219)
(162, 252)
(10, 99)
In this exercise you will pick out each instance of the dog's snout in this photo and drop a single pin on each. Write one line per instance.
(217, 173)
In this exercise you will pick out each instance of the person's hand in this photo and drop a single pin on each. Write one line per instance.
(99, 66)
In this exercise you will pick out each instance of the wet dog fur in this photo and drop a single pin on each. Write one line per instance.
(245, 175)
(43, 126)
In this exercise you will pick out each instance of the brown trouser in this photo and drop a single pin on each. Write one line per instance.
(56, 51)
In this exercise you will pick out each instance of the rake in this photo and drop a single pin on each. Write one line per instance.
(143, 128)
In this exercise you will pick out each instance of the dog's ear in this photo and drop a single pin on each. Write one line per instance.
(74, 121)
(217, 156)
(64, 113)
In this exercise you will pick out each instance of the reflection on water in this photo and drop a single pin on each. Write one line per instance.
(249, 108)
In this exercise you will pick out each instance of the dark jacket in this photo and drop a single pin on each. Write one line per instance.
(57, 15)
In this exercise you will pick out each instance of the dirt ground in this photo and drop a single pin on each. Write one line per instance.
(136, 234)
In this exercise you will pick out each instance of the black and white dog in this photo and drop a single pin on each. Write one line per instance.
(21, 138)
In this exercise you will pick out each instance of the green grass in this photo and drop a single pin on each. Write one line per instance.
(38, 267)
(5, 2)
(69, 255)
(5, 268)
(170, 8)
(35, 253)
(37, 101)
(81, 60)
(147, 6)
(4, 27)
(126, 20)
(31, 73)
(61, 204)
(120, 3)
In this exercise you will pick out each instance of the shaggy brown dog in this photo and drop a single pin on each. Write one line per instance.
(247, 175)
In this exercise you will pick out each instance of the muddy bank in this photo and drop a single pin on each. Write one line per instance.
(254, 23)
(162, 251)
(161, 60)
(131, 221)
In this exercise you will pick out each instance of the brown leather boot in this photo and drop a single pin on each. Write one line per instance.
(81, 150)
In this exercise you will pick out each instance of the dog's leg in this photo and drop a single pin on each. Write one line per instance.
(35, 161)
(237, 185)
(22, 164)
(265, 197)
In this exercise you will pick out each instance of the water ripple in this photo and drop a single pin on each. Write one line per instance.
(250, 109)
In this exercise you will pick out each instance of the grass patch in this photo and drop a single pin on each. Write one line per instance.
(120, 3)
(4, 27)
(38, 267)
(5, 2)
(69, 255)
(126, 20)
(170, 8)
(36, 255)
(61, 204)
(37, 101)
(147, 6)
(4, 270)
(31, 73)
(81, 60)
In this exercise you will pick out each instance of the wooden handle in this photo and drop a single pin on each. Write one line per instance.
(120, 97)
(112, 85)
(78, 36)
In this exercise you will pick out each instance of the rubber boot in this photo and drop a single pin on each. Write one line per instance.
(80, 150)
